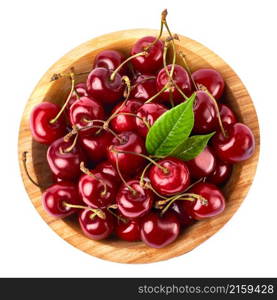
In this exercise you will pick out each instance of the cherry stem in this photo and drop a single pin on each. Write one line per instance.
(57, 76)
(114, 206)
(204, 89)
(24, 160)
(67, 100)
(89, 173)
(135, 116)
(165, 170)
(112, 77)
(121, 176)
(66, 138)
(142, 81)
(142, 176)
(97, 212)
(184, 60)
(163, 19)
(159, 93)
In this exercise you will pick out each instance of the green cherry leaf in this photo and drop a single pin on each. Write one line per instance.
(193, 146)
(171, 129)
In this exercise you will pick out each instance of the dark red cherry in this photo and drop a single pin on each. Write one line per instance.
(221, 173)
(108, 169)
(149, 112)
(84, 110)
(110, 59)
(65, 165)
(144, 87)
(216, 201)
(157, 231)
(125, 122)
(128, 163)
(202, 165)
(97, 191)
(211, 79)
(95, 227)
(102, 88)
(129, 231)
(80, 90)
(205, 118)
(180, 77)
(42, 130)
(96, 145)
(134, 203)
(227, 115)
(172, 179)
(237, 146)
(54, 199)
(184, 218)
(151, 62)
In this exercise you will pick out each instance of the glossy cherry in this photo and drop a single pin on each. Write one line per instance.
(95, 227)
(144, 87)
(110, 59)
(221, 173)
(54, 199)
(211, 79)
(184, 218)
(129, 231)
(128, 163)
(215, 205)
(102, 88)
(172, 179)
(157, 231)
(227, 115)
(125, 122)
(149, 112)
(96, 145)
(97, 191)
(205, 117)
(84, 110)
(80, 90)
(238, 144)
(42, 130)
(180, 77)
(151, 62)
(203, 164)
(134, 203)
(65, 165)
(108, 169)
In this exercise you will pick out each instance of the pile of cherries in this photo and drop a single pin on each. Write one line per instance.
(97, 153)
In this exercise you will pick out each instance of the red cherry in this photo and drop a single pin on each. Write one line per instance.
(227, 115)
(129, 231)
(237, 146)
(96, 146)
(42, 130)
(184, 218)
(174, 179)
(215, 205)
(54, 197)
(98, 191)
(65, 165)
(151, 62)
(202, 165)
(79, 90)
(144, 87)
(125, 122)
(205, 118)
(157, 231)
(211, 79)
(180, 77)
(85, 109)
(149, 112)
(110, 59)
(95, 227)
(102, 88)
(127, 163)
(134, 203)
(107, 168)
(221, 173)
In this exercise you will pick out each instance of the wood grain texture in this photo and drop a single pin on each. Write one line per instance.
(112, 249)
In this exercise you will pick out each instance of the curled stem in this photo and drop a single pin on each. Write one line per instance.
(24, 161)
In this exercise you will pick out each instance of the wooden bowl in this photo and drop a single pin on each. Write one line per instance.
(112, 249)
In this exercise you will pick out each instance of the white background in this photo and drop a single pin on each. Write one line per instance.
(34, 34)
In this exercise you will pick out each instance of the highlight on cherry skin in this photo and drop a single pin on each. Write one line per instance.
(116, 178)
